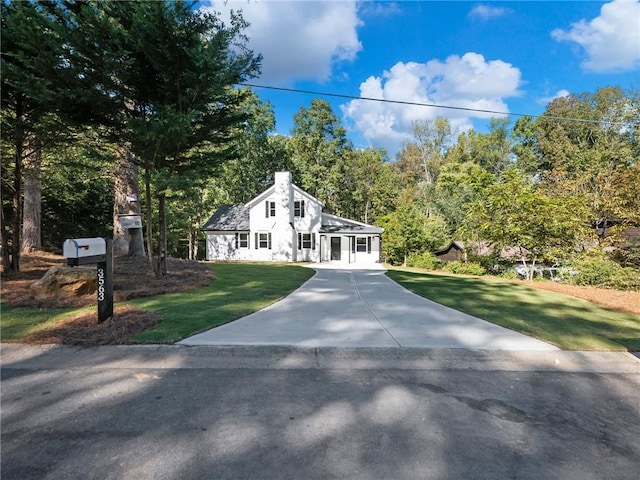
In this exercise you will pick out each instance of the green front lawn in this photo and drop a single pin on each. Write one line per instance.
(238, 290)
(568, 322)
(17, 322)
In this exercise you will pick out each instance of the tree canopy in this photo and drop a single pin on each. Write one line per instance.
(85, 81)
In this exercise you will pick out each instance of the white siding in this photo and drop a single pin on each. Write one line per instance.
(347, 253)
(283, 235)
(222, 246)
(284, 227)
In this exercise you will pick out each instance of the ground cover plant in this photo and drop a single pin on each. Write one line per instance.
(568, 322)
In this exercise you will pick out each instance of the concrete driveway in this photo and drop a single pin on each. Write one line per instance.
(362, 308)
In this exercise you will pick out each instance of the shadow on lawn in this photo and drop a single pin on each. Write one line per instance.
(238, 290)
(568, 322)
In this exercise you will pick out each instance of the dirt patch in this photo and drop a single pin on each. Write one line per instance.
(133, 278)
(616, 299)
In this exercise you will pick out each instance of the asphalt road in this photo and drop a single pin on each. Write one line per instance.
(171, 412)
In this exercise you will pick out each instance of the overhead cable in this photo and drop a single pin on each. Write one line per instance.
(429, 105)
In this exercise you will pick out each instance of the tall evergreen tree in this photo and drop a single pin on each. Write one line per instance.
(157, 76)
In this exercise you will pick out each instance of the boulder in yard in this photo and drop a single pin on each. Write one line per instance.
(64, 282)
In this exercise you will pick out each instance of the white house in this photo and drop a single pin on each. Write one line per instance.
(286, 224)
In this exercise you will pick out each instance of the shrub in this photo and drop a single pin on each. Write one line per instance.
(628, 256)
(509, 274)
(492, 263)
(627, 279)
(599, 271)
(424, 260)
(462, 268)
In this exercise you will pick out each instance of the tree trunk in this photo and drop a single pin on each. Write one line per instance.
(32, 204)
(367, 205)
(126, 241)
(162, 234)
(148, 206)
(17, 206)
(6, 259)
(196, 231)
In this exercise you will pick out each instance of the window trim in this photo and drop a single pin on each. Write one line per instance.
(259, 241)
(239, 240)
(361, 246)
(298, 208)
(310, 241)
(269, 208)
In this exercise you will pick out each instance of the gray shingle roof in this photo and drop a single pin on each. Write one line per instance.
(229, 217)
(350, 228)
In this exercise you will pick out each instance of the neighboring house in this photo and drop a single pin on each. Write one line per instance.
(286, 224)
(457, 251)
(453, 252)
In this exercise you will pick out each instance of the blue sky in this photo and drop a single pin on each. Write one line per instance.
(501, 56)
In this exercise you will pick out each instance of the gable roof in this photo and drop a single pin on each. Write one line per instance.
(269, 191)
(456, 245)
(229, 217)
(483, 248)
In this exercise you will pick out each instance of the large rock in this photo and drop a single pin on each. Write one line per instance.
(64, 282)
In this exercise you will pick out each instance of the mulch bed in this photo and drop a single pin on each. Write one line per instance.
(133, 278)
(85, 331)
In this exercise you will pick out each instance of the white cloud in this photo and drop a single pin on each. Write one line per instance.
(379, 9)
(611, 41)
(469, 81)
(559, 94)
(486, 12)
(299, 40)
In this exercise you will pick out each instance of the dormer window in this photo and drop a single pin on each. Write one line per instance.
(298, 208)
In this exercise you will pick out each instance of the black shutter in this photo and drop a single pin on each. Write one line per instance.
(236, 240)
(266, 209)
(313, 241)
(299, 241)
(257, 242)
(302, 208)
(368, 244)
(269, 240)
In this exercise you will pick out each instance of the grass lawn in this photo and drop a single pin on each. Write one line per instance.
(238, 290)
(568, 322)
(19, 322)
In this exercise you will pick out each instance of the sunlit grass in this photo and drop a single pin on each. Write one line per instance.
(568, 322)
(17, 323)
(238, 290)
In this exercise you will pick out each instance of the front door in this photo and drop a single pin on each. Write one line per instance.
(335, 248)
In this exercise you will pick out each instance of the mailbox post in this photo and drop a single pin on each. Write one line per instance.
(99, 251)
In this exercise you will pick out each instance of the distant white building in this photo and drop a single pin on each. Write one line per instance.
(286, 224)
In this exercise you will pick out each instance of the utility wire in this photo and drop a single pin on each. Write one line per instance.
(430, 105)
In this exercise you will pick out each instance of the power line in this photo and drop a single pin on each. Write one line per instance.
(429, 105)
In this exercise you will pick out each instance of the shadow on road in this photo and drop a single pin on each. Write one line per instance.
(200, 413)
